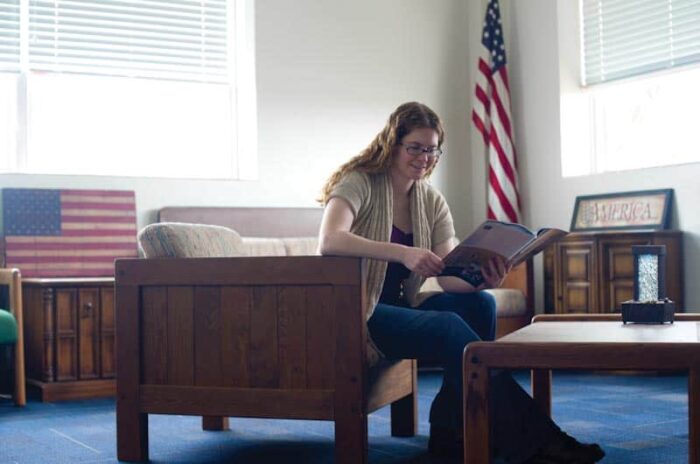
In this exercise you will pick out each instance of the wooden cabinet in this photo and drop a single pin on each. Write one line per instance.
(592, 272)
(69, 336)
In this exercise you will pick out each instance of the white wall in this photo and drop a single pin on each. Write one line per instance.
(541, 70)
(328, 75)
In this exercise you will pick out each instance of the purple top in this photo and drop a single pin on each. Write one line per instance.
(396, 273)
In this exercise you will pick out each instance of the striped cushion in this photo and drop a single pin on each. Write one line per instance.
(181, 240)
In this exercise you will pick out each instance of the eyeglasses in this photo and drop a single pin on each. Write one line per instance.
(417, 150)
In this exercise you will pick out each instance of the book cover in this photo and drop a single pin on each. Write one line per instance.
(513, 242)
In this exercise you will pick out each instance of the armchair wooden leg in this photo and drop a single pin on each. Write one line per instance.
(215, 423)
(351, 439)
(404, 416)
(132, 435)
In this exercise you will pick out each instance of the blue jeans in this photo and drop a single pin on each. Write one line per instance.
(438, 330)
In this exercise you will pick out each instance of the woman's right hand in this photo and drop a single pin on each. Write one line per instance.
(421, 261)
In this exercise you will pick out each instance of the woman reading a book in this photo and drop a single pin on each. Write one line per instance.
(379, 205)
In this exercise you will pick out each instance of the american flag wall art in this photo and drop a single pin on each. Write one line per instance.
(68, 233)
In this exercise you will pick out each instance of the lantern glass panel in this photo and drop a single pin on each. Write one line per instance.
(648, 277)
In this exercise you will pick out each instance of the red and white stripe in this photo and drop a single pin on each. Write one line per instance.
(492, 118)
(96, 228)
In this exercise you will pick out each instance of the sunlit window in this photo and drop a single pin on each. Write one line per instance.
(634, 106)
(647, 122)
(128, 88)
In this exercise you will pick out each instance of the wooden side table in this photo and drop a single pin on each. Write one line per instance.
(69, 336)
(578, 342)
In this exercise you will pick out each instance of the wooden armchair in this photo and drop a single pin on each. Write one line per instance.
(11, 317)
(275, 337)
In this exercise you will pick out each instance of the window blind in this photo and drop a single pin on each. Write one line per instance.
(623, 38)
(9, 35)
(166, 39)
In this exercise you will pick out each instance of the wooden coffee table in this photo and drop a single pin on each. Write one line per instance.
(582, 342)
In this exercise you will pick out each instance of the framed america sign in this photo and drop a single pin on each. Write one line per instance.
(648, 210)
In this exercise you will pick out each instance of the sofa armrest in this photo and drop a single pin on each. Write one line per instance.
(521, 277)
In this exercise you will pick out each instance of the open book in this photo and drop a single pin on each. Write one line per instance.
(513, 242)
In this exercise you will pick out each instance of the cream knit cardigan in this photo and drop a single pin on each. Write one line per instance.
(371, 198)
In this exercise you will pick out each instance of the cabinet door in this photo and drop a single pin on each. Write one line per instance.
(107, 332)
(66, 301)
(576, 283)
(617, 270)
(88, 340)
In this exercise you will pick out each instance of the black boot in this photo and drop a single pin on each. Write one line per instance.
(445, 442)
(566, 449)
(523, 433)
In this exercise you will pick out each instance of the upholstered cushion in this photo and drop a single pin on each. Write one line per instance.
(255, 246)
(8, 327)
(509, 302)
(181, 240)
(292, 246)
(301, 246)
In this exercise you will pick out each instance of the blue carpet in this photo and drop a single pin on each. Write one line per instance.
(637, 419)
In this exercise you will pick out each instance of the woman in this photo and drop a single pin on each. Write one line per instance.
(378, 205)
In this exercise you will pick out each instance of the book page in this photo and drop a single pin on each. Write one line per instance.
(512, 242)
(502, 238)
(466, 254)
(544, 238)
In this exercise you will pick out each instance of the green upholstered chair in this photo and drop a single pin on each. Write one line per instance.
(11, 332)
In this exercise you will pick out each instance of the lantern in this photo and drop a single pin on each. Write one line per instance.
(650, 304)
(649, 272)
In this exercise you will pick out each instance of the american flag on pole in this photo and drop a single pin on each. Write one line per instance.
(68, 233)
(492, 118)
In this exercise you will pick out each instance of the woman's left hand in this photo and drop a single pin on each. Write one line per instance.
(494, 273)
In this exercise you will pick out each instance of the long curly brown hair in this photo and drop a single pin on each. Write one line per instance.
(377, 156)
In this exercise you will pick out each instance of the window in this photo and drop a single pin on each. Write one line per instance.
(623, 38)
(647, 122)
(635, 105)
(161, 88)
